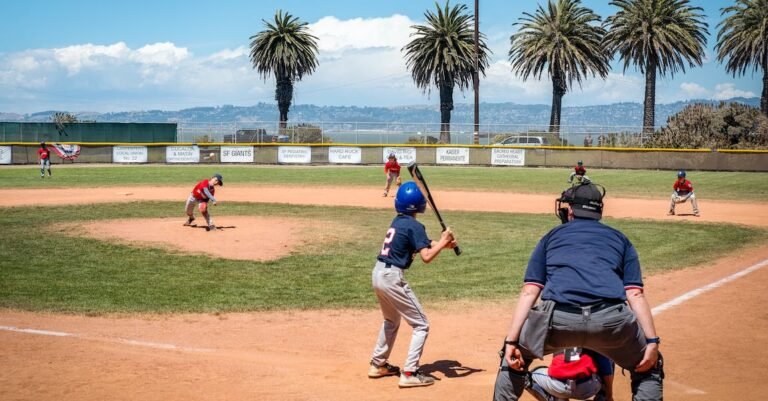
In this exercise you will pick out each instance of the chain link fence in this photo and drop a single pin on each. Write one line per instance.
(408, 133)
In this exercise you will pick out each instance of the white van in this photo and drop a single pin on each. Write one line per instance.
(525, 141)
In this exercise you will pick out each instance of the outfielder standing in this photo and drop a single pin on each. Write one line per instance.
(683, 191)
(591, 287)
(201, 194)
(392, 172)
(45, 159)
(405, 237)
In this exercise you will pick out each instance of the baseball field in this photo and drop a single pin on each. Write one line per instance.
(105, 295)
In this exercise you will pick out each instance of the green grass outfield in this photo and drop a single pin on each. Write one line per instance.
(619, 183)
(41, 271)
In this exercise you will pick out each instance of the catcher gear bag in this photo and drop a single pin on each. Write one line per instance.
(409, 199)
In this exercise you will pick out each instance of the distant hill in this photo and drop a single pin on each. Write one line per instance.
(617, 114)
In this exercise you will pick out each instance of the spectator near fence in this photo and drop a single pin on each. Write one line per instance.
(588, 140)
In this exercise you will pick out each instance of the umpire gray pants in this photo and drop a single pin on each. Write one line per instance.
(397, 301)
(613, 332)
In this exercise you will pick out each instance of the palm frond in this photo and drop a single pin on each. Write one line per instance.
(285, 48)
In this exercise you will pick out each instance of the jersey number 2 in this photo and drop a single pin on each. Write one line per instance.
(387, 240)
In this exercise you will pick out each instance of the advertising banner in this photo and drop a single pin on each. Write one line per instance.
(452, 155)
(182, 154)
(507, 157)
(129, 154)
(5, 155)
(294, 154)
(338, 154)
(404, 155)
(237, 154)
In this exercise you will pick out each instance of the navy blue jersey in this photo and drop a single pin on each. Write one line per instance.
(405, 237)
(583, 262)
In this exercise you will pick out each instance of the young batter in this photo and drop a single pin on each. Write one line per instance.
(201, 194)
(405, 237)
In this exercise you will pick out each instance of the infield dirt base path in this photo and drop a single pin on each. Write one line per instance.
(713, 344)
(711, 211)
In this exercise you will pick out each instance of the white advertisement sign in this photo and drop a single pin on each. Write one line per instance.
(294, 154)
(182, 154)
(452, 156)
(338, 154)
(129, 154)
(237, 154)
(404, 155)
(5, 155)
(507, 157)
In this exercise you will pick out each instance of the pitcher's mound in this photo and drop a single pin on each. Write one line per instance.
(236, 237)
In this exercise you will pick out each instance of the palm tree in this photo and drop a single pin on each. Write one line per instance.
(743, 39)
(442, 54)
(562, 41)
(656, 36)
(287, 50)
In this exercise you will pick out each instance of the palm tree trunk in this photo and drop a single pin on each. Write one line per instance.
(649, 104)
(558, 91)
(446, 105)
(764, 95)
(284, 96)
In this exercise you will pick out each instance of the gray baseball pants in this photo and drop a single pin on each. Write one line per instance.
(190, 209)
(397, 301)
(613, 332)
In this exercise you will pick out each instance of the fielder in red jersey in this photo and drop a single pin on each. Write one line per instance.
(392, 172)
(44, 155)
(201, 194)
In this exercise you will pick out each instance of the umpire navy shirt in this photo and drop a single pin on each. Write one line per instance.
(583, 262)
(405, 237)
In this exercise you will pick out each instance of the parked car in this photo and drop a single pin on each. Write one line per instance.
(525, 141)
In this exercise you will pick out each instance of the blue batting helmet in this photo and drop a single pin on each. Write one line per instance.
(681, 174)
(409, 199)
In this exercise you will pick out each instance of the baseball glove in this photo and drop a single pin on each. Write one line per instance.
(399, 181)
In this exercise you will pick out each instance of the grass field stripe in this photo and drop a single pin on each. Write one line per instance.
(138, 343)
(701, 290)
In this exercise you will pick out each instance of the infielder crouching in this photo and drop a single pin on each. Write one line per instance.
(201, 194)
(683, 192)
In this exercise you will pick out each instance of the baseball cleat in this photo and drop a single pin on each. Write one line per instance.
(211, 227)
(696, 214)
(375, 372)
(189, 221)
(415, 379)
(671, 213)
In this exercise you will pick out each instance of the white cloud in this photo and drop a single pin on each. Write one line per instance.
(74, 58)
(163, 54)
(728, 90)
(693, 90)
(361, 33)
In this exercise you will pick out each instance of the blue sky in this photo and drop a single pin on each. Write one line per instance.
(138, 55)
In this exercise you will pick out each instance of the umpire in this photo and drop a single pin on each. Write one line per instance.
(586, 274)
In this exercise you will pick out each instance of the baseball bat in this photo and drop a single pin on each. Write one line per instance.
(418, 178)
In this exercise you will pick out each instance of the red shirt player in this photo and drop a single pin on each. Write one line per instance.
(44, 155)
(578, 172)
(683, 191)
(392, 172)
(201, 194)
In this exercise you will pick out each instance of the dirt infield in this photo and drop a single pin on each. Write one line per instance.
(233, 238)
(712, 343)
